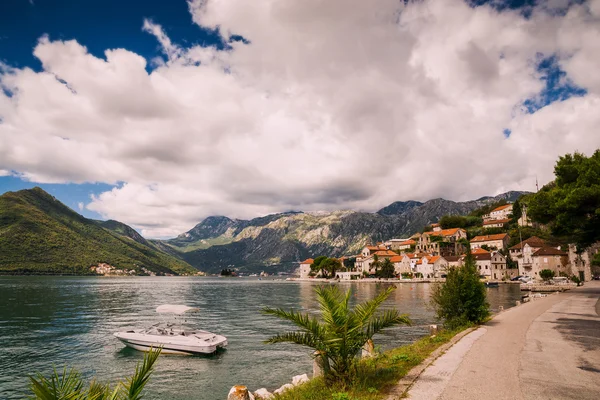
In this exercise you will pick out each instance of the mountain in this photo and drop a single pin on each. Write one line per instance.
(277, 241)
(399, 207)
(40, 235)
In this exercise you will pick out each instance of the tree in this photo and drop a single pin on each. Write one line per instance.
(331, 265)
(387, 269)
(546, 274)
(376, 264)
(70, 385)
(517, 211)
(340, 332)
(461, 300)
(570, 205)
(316, 265)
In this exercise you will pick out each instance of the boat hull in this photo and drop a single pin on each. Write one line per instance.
(170, 346)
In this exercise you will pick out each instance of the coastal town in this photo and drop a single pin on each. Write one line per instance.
(428, 255)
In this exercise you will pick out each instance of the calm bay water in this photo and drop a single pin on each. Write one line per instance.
(57, 321)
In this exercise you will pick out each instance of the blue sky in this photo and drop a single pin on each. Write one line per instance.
(99, 25)
(287, 119)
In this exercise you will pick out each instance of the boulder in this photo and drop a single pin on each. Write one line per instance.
(368, 349)
(263, 394)
(299, 379)
(282, 389)
(240, 392)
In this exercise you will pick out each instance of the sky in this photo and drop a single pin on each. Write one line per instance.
(159, 114)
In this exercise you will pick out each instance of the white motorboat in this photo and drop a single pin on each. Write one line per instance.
(174, 338)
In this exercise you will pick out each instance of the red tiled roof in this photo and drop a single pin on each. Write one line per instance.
(482, 256)
(308, 261)
(444, 232)
(408, 242)
(479, 251)
(433, 259)
(386, 253)
(549, 251)
(502, 207)
(485, 238)
(396, 259)
(533, 241)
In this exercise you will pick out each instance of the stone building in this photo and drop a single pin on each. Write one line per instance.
(304, 268)
(441, 243)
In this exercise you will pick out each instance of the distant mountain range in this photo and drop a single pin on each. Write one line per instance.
(279, 241)
(39, 234)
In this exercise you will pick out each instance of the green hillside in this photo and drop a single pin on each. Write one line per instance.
(40, 235)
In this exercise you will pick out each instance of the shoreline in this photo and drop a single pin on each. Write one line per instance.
(383, 280)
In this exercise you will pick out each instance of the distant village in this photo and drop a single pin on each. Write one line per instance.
(429, 254)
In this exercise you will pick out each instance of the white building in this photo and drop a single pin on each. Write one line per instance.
(501, 212)
(305, 267)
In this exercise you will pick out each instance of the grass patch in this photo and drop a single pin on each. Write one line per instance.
(376, 376)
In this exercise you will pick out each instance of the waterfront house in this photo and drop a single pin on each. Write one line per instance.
(498, 267)
(441, 243)
(483, 260)
(431, 266)
(522, 253)
(364, 263)
(495, 242)
(305, 267)
(402, 264)
(549, 258)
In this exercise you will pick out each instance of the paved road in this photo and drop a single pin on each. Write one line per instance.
(546, 349)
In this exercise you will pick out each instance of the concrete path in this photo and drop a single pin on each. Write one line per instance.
(545, 349)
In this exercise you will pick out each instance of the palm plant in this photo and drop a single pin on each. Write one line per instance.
(70, 385)
(341, 332)
(387, 269)
(376, 263)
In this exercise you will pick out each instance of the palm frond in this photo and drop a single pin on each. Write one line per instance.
(67, 386)
(365, 311)
(301, 338)
(133, 386)
(386, 320)
(97, 391)
(304, 321)
(329, 298)
(334, 306)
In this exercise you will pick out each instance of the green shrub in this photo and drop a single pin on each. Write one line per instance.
(546, 274)
(461, 300)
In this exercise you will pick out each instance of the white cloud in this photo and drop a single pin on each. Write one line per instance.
(4, 172)
(336, 104)
(80, 206)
